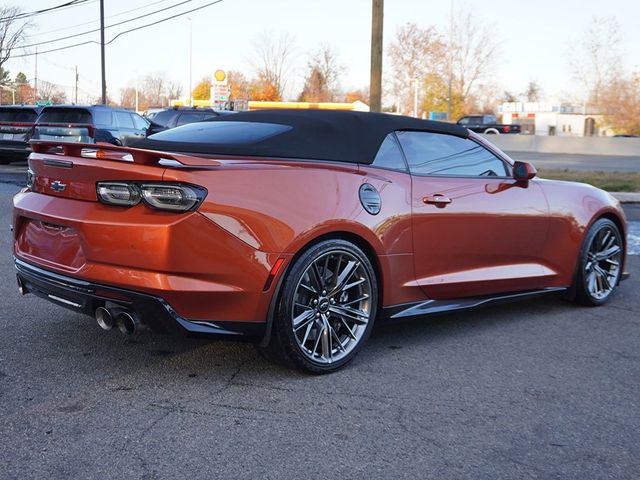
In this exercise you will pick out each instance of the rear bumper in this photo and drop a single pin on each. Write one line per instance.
(201, 270)
(84, 297)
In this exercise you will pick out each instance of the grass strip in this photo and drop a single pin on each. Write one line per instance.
(610, 181)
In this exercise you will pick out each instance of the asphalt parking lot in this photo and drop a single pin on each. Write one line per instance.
(537, 390)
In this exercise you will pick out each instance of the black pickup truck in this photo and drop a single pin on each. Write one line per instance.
(487, 124)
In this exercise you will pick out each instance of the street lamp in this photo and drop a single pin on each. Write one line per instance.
(415, 97)
(190, 60)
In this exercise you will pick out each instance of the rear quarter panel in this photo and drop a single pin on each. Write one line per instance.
(282, 206)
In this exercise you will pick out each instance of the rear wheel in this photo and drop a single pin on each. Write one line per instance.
(327, 307)
(600, 263)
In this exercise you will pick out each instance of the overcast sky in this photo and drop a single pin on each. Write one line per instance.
(535, 37)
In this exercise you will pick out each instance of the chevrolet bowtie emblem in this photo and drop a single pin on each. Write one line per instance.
(58, 186)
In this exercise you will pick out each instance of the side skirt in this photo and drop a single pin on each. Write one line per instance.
(436, 307)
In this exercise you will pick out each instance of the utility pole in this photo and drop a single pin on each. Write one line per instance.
(137, 98)
(35, 81)
(104, 78)
(375, 83)
(190, 61)
(450, 62)
(76, 89)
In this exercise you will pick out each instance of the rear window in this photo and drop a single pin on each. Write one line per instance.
(65, 115)
(221, 132)
(18, 115)
(189, 117)
(163, 118)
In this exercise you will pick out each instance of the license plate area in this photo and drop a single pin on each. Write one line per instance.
(52, 244)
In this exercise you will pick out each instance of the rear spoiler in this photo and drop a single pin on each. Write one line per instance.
(107, 151)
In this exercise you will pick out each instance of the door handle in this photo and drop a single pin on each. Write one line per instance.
(438, 200)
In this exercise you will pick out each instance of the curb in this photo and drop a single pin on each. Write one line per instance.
(626, 197)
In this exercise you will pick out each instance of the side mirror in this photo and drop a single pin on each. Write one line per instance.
(523, 171)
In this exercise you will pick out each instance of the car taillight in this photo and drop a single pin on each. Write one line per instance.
(161, 196)
(123, 194)
(170, 197)
(506, 129)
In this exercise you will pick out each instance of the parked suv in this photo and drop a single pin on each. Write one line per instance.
(16, 125)
(177, 116)
(89, 124)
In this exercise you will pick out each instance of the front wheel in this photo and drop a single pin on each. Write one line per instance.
(327, 308)
(600, 263)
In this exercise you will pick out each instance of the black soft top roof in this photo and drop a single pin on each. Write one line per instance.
(314, 134)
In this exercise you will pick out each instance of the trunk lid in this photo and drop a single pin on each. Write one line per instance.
(72, 170)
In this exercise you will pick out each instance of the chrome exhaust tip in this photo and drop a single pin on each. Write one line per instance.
(127, 323)
(21, 288)
(104, 318)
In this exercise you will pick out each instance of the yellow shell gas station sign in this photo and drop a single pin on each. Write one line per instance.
(220, 77)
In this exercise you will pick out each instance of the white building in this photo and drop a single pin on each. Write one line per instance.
(540, 118)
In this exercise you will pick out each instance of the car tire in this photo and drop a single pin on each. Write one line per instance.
(599, 263)
(326, 309)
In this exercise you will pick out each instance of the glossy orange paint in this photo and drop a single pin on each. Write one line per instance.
(495, 235)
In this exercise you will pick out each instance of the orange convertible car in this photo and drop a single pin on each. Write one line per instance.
(299, 228)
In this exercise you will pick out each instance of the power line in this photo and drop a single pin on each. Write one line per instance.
(84, 24)
(20, 16)
(108, 26)
(119, 34)
(162, 20)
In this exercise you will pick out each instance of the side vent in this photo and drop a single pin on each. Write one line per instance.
(370, 199)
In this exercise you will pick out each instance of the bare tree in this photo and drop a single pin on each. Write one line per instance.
(595, 59)
(13, 31)
(272, 60)
(315, 87)
(415, 53)
(51, 92)
(174, 89)
(154, 88)
(471, 53)
(326, 61)
(509, 97)
(128, 97)
(533, 92)
(322, 80)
